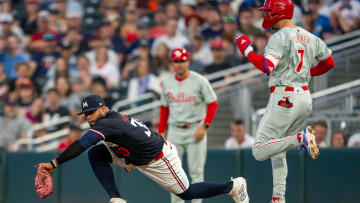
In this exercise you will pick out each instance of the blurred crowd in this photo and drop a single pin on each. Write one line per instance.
(53, 52)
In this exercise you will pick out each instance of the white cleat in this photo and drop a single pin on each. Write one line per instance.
(239, 190)
(117, 200)
(309, 143)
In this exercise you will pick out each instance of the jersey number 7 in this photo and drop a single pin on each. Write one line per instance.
(301, 52)
(137, 123)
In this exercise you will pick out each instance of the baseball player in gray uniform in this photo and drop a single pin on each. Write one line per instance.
(288, 59)
(189, 103)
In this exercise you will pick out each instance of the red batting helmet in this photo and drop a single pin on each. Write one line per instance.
(179, 54)
(278, 10)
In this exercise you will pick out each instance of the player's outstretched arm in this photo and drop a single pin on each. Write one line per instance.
(89, 139)
(259, 61)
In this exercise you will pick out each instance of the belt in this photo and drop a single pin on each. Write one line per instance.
(186, 126)
(161, 154)
(289, 89)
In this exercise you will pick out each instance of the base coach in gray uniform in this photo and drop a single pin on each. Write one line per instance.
(188, 106)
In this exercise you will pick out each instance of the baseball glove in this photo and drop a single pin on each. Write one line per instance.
(43, 182)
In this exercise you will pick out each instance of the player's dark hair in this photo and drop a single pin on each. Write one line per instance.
(321, 123)
(238, 122)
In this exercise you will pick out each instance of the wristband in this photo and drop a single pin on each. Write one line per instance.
(248, 50)
(54, 163)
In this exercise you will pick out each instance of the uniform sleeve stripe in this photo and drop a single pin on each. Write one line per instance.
(273, 59)
(266, 68)
(97, 132)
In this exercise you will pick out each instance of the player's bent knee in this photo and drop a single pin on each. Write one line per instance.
(257, 154)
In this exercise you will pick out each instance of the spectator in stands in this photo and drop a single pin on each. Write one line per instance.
(201, 52)
(260, 43)
(23, 72)
(43, 60)
(83, 81)
(5, 6)
(172, 39)
(239, 138)
(28, 18)
(60, 69)
(4, 86)
(77, 36)
(230, 52)
(159, 29)
(186, 8)
(195, 64)
(36, 112)
(13, 55)
(27, 95)
(106, 67)
(338, 140)
(246, 22)
(321, 128)
(144, 81)
(217, 49)
(67, 99)
(320, 14)
(55, 22)
(54, 111)
(37, 41)
(74, 134)
(225, 8)
(215, 27)
(13, 125)
(354, 140)
(143, 36)
(230, 29)
(129, 28)
(308, 21)
(172, 10)
(141, 50)
(345, 16)
(69, 55)
(161, 60)
(112, 40)
(98, 87)
(193, 24)
(8, 27)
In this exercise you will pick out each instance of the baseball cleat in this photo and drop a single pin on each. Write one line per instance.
(117, 200)
(239, 190)
(309, 143)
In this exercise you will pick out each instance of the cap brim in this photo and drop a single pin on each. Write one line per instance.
(88, 110)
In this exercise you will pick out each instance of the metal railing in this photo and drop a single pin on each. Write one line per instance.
(129, 101)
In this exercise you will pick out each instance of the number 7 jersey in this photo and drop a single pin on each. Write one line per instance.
(293, 51)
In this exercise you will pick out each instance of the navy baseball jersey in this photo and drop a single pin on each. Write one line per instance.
(127, 137)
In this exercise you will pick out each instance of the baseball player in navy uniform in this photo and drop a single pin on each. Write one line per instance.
(188, 106)
(288, 61)
(128, 143)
